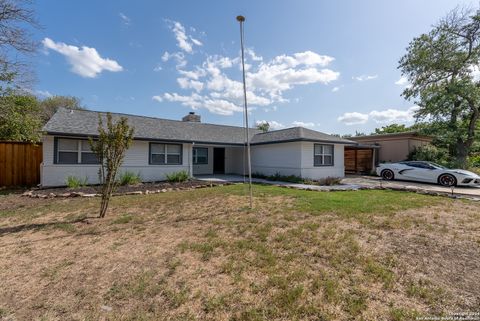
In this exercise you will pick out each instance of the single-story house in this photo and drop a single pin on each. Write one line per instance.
(164, 146)
(393, 147)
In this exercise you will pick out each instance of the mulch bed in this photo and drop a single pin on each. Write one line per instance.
(142, 188)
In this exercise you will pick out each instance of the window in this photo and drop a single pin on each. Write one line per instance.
(323, 155)
(74, 151)
(165, 154)
(200, 155)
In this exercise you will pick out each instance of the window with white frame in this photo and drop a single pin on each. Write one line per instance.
(165, 154)
(323, 155)
(74, 151)
(200, 155)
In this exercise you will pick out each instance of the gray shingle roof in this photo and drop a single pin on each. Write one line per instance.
(297, 133)
(85, 123)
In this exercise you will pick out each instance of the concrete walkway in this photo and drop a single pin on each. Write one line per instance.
(354, 182)
(240, 179)
(373, 181)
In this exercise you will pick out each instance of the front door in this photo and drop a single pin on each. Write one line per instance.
(219, 160)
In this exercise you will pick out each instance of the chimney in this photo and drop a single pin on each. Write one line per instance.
(191, 117)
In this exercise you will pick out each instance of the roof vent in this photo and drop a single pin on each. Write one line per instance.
(191, 117)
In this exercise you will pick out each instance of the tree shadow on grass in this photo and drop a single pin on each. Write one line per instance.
(63, 225)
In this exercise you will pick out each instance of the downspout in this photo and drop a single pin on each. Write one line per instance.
(190, 165)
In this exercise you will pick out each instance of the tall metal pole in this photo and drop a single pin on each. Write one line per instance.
(241, 20)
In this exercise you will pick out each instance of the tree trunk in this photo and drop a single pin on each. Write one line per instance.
(461, 153)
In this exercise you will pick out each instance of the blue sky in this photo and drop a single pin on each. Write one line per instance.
(327, 65)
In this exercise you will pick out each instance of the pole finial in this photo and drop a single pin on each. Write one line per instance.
(240, 18)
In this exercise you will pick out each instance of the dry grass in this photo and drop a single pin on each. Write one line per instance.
(202, 255)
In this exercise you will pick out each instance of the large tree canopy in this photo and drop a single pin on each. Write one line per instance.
(16, 18)
(443, 70)
(50, 105)
(19, 118)
(22, 116)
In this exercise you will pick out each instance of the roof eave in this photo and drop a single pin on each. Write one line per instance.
(76, 135)
(305, 140)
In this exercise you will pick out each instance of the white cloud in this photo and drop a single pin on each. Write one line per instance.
(193, 74)
(251, 53)
(266, 81)
(269, 109)
(390, 115)
(215, 83)
(196, 41)
(195, 101)
(274, 125)
(157, 98)
(38, 92)
(353, 118)
(335, 89)
(475, 72)
(403, 81)
(179, 58)
(126, 20)
(85, 61)
(157, 68)
(297, 123)
(43, 93)
(394, 115)
(184, 42)
(365, 77)
(186, 83)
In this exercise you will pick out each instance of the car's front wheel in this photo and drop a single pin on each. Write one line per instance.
(447, 180)
(387, 174)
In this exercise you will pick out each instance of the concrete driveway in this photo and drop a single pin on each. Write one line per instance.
(373, 181)
(354, 182)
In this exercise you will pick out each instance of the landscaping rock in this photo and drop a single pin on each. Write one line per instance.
(28, 193)
(106, 308)
(134, 193)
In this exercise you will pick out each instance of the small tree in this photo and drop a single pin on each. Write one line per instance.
(392, 128)
(110, 149)
(264, 126)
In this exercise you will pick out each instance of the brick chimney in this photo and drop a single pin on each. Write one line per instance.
(191, 117)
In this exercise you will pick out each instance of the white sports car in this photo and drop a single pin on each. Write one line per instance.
(427, 172)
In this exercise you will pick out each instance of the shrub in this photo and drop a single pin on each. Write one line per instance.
(129, 178)
(430, 153)
(176, 177)
(474, 160)
(279, 177)
(329, 181)
(298, 180)
(75, 182)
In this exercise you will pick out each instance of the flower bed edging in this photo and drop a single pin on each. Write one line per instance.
(146, 192)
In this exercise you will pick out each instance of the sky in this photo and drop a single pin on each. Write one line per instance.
(327, 65)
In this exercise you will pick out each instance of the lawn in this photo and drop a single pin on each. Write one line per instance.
(204, 255)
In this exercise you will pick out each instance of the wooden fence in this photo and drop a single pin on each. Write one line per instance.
(20, 164)
(358, 160)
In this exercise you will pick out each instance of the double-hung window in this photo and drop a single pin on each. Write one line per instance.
(165, 154)
(323, 155)
(74, 151)
(200, 155)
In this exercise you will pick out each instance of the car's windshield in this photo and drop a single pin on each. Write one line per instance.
(438, 166)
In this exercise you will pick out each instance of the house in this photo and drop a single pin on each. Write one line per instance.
(394, 147)
(164, 146)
